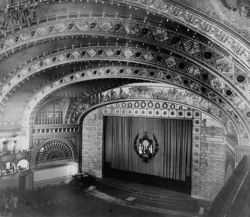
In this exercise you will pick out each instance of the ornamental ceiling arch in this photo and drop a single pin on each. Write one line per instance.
(174, 11)
(163, 61)
(140, 99)
(160, 34)
(197, 53)
(146, 92)
(189, 81)
(121, 72)
(207, 55)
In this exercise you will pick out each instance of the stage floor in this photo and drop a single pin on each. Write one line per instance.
(151, 196)
(133, 177)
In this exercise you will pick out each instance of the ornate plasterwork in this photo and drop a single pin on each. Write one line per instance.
(77, 107)
(164, 61)
(63, 151)
(167, 59)
(206, 55)
(233, 13)
(41, 131)
(16, 16)
(108, 26)
(204, 25)
(137, 73)
(166, 93)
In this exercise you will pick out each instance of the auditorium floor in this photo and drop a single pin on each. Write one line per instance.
(63, 202)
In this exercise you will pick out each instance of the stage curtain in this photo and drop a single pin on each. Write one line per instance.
(178, 149)
(174, 137)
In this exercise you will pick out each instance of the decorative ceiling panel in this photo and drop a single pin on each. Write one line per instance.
(141, 74)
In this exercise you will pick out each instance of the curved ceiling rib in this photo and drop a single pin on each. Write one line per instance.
(189, 75)
(145, 91)
(210, 28)
(122, 72)
(163, 35)
(206, 54)
(223, 36)
(123, 52)
(158, 41)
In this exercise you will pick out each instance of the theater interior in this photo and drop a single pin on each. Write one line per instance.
(124, 108)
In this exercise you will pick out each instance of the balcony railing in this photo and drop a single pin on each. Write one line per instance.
(229, 195)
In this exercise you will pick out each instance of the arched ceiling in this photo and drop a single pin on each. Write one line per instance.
(233, 13)
(136, 73)
(47, 45)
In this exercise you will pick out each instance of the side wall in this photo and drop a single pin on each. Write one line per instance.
(213, 158)
(92, 139)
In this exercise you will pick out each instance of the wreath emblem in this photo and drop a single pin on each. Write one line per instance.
(146, 147)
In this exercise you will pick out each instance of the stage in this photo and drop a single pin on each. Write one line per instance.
(149, 151)
(158, 198)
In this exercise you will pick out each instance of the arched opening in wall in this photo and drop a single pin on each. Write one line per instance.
(146, 142)
(54, 151)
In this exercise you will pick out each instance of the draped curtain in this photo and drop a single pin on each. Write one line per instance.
(174, 136)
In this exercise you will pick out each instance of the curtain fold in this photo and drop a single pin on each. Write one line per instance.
(174, 137)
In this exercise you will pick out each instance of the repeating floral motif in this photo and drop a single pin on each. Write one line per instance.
(191, 76)
(196, 21)
(173, 41)
(143, 74)
(165, 93)
(190, 18)
(77, 107)
(212, 57)
(128, 53)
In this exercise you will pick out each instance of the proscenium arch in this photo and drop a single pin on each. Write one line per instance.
(123, 93)
(196, 132)
(78, 78)
(103, 104)
(186, 108)
(72, 80)
(91, 53)
(194, 20)
(137, 73)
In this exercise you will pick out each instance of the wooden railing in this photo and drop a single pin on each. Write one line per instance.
(228, 195)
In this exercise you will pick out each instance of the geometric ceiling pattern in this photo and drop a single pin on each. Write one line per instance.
(150, 57)
(208, 27)
(167, 93)
(61, 43)
(206, 54)
(127, 72)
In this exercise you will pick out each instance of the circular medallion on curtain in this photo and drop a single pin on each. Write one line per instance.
(146, 146)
